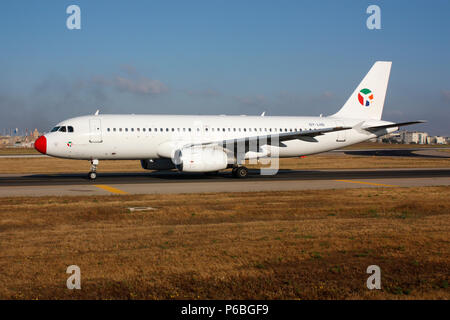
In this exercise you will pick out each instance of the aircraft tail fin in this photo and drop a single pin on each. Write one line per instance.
(367, 101)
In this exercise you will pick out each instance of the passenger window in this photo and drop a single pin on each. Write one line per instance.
(120, 129)
(132, 129)
(114, 129)
(107, 130)
(138, 129)
(126, 129)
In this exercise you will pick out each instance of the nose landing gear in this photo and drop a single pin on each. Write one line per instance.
(93, 173)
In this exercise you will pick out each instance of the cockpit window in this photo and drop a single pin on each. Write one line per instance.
(62, 129)
(69, 129)
(55, 129)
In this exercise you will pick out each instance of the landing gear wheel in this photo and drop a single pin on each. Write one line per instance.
(93, 173)
(240, 172)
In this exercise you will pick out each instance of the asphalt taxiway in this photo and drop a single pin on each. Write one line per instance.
(175, 182)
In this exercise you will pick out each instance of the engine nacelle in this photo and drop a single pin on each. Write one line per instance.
(200, 159)
(157, 164)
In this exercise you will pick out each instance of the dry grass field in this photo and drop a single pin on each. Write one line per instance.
(277, 245)
(320, 161)
(6, 151)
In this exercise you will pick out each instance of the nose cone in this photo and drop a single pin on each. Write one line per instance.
(41, 144)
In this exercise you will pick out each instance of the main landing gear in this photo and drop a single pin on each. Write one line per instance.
(240, 172)
(93, 173)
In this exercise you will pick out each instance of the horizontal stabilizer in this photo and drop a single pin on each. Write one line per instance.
(392, 125)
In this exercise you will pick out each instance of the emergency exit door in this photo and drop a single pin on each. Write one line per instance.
(95, 127)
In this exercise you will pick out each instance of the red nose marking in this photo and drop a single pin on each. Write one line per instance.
(41, 144)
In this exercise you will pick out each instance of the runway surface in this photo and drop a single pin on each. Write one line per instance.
(175, 182)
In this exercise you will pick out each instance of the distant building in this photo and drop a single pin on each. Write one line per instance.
(35, 133)
(5, 141)
(437, 140)
(393, 137)
(414, 137)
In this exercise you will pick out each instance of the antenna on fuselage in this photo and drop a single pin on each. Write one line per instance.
(97, 112)
(263, 114)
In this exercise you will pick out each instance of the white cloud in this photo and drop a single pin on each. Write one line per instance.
(137, 85)
(141, 85)
(257, 100)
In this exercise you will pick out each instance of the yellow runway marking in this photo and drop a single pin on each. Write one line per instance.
(369, 183)
(110, 189)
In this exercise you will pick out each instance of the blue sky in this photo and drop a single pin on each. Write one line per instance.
(219, 57)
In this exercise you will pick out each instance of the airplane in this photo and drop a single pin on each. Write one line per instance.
(209, 144)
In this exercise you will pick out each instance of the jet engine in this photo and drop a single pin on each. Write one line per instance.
(200, 159)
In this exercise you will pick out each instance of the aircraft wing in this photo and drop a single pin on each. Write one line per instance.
(272, 139)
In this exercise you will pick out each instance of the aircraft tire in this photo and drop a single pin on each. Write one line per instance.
(92, 175)
(241, 172)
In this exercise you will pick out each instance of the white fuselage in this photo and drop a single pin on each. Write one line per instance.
(137, 137)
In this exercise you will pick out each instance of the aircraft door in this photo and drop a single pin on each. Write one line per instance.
(95, 134)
